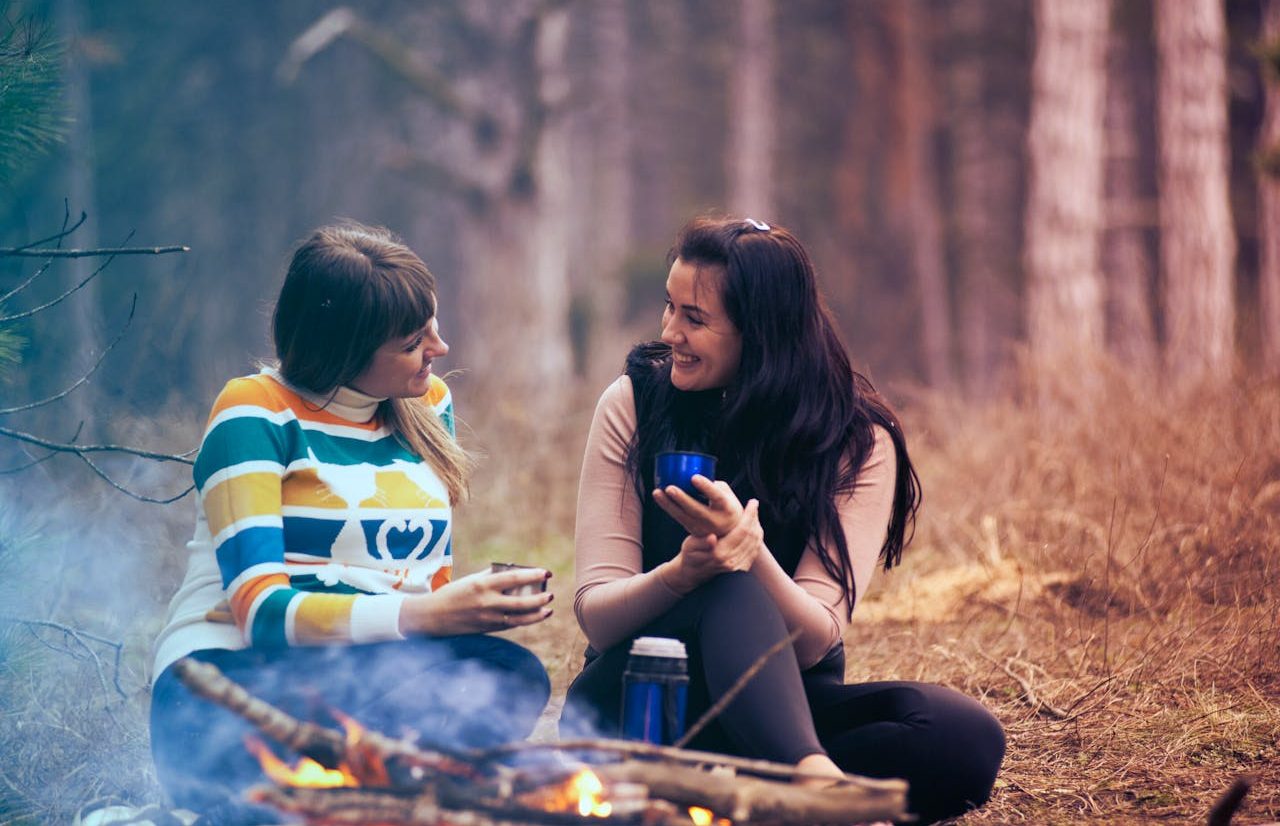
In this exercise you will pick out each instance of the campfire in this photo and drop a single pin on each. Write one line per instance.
(361, 776)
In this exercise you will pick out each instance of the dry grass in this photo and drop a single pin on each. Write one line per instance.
(1119, 558)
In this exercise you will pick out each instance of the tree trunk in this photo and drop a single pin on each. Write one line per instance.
(1128, 259)
(987, 139)
(1269, 197)
(82, 337)
(610, 215)
(1064, 287)
(752, 111)
(1197, 243)
(515, 295)
(923, 229)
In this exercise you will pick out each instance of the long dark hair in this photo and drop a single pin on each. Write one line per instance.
(794, 427)
(351, 288)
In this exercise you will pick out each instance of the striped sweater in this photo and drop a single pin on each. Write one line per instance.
(313, 523)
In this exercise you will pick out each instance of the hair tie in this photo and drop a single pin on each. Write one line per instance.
(760, 225)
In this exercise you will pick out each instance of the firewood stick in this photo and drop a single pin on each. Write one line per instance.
(355, 806)
(747, 799)
(735, 689)
(688, 757)
(327, 747)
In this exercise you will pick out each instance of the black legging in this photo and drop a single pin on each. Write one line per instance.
(944, 744)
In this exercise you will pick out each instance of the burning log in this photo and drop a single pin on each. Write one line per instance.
(402, 785)
(750, 800)
(368, 756)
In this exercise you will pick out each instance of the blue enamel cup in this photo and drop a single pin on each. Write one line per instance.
(677, 467)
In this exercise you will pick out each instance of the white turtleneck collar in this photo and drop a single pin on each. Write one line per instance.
(345, 402)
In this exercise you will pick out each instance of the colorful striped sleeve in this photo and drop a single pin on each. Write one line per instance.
(253, 438)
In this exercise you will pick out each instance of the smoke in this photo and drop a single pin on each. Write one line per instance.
(85, 574)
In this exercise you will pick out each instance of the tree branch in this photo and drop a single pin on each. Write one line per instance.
(5, 411)
(23, 252)
(62, 233)
(394, 54)
(79, 637)
(141, 497)
(67, 447)
(65, 295)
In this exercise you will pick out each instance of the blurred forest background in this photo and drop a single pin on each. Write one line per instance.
(1050, 230)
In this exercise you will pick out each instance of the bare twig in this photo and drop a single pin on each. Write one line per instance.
(62, 233)
(27, 314)
(141, 497)
(736, 689)
(1029, 694)
(22, 252)
(80, 637)
(133, 306)
(67, 447)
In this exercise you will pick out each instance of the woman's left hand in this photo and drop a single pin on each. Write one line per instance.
(719, 516)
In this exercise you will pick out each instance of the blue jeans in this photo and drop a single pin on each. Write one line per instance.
(450, 692)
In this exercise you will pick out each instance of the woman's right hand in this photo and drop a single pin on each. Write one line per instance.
(704, 557)
(476, 604)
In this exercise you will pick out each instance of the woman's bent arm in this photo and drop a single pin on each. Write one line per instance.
(813, 601)
(612, 597)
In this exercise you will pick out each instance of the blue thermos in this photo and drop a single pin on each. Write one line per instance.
(655, 688)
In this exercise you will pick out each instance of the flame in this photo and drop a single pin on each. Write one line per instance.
(706, 817)
(588, 789)
(367, 771)
(304, 772)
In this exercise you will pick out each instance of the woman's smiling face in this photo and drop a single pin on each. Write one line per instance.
(401, 367)
(706, 346)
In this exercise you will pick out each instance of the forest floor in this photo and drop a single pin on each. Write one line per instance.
(1104, 576)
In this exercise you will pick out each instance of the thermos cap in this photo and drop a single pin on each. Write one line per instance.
(658, 647)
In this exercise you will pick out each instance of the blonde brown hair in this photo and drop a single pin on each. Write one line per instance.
(349, 289)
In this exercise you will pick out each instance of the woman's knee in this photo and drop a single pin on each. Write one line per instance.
(968, 744)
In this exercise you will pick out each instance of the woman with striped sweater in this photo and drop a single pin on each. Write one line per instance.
(319, 576)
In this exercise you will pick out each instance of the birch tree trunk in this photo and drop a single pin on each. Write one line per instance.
(1128, 262)
(751, 112)
(987, 137)
(1064, 288)
(1269, 196)
(1197, 242)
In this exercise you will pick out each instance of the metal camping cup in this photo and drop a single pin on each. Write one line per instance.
(520, 590)
(678, 467)
(655, 688)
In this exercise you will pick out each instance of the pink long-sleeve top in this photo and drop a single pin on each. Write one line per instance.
(615, 597)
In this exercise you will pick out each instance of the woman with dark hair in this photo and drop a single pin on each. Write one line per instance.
(815, 485)
(319, 575)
